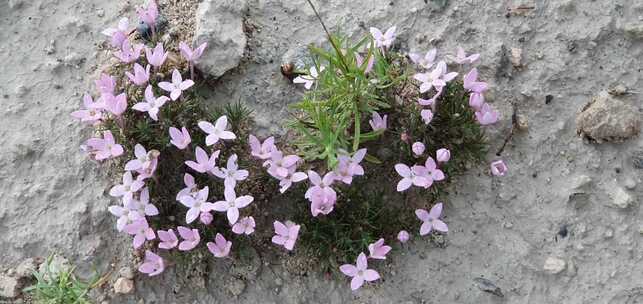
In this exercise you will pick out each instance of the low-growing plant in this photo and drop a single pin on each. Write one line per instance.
(366, 120)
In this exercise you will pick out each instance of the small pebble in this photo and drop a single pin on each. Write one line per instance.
(554, 265)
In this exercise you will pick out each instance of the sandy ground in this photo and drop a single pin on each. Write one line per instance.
(52, 198)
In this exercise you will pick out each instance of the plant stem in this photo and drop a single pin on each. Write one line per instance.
(330, 38)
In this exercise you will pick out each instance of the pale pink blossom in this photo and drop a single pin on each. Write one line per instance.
(129, 53)
(104, 148)
(220, 248)
(476, 100)
(93, 111)
(415, 176)
(143, 158)
(309, 80)
(293, 177)
(152, 265)
(206, 218)
(323, 203)
(141, 231)
(286, 234)
(443, 155)
(426, 61)
(426, 102)
(378, 250)
(472, 84)
(152, 104)
(115, 104)
(106, 84)
(191, 55)
(216, 131)
(431, 220)
(261, 150)
(403, 236)
(180, 138)
(203, 164)
(177, 86)
(141, 75)
(197, 204)
(147, 172)
(486, 115)
(118, 34)
(168, 239)
(437, 78)
(427, 116)
(384, 40)
(432, 172)
(156, 56)
(231, 174)
(348, 167)
(232, 204)
(360, 61)
(417, 148)
(125, 216)
(320, 186)
(191, 238)
(245, 225)
(279, 165)
(359, 272)
(378, 122)
(148, 14)
(498, 168)
(127, 189)
(462, 58)
(191, 188)
(143, 205)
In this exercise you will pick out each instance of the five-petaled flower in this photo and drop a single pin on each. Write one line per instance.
(348, 167)
(261, 150)
(415, 175)
(152, 104)
(143, 205)
(180, 138)
(231, 174)
(143, 158)
(220, 248)
(168, 239)
(129, 53)
(378, 250)
(148, 14)
(152, 265)
(118, 35)
(286, 234)
(93, 111)
(279, 165)
(104, 148)
(115, 104)
(203, 164)
(309, 79)
(190, 189)
(431, 220)
(486, 115)
(156, 56)
(377, 122)
(106, 84)
(232, 204)
(177, 86)
(197, 204)
(383, 40)
(190, 237)
(125, 215)
(141, 231)
(437, 78)
(359, 272)
(425, 61)
(245, 225)
(141, 75)
(216, 131)
(127, 188)
(191, 55)
(462, 58)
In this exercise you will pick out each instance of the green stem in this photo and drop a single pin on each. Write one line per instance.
(330, 38)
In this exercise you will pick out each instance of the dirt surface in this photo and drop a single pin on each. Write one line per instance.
(563, 198)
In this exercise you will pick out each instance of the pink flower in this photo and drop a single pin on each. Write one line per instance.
(143, 158)
(280, 165)
(190, 237)
(203, 164)
(321, 187)
(431, 220)
(127, 188)
(261, 150)
(403, 236)
(378, 122)
(486, 115)
(152, 104)
(221, 247)
(206, 218)
(383, 40)
(156, 56)
(309, 79)
(360, 62)
(418, 148)
(148, 14)
(104, 148)
(359, 272)
(128, 53)
(168, 239)
(141, 76)
(125, 216)
(437, 78)
(142, 205)
(115, 104)
(189, 54)
(411, 176)
(231, 174)
(292, 177)
(426, 102)
(425, 61)
(106, 84)
(432, 171)
(471, 83)
(323, 203)
(147, 172)
(232, 204)
(427, 116)
(498, 168)
(462, 58)
(378, 250)
(119, 34)
(152, 265)
(190, 187)
(286, 234)
(443, 155)
(92, 113)
(197, 204)
(180, 139)
(141, 231)
(476, 100)
(245, 225)
(349, 166)
(216, 131)
(177, 86)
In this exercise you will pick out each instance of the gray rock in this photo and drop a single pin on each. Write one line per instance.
(554, 265)
(9, 287)
(220, 24)
(235, 286)
(488, 286)
(634, 31)
(26, 268)
(606, 118)
(620, 198)
(126, 272)
(123, 286)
